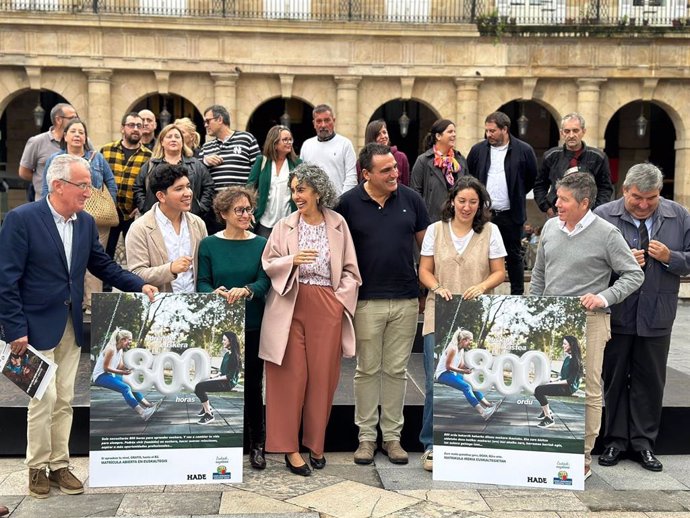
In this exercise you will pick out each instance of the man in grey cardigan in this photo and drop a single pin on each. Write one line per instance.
(577, 254)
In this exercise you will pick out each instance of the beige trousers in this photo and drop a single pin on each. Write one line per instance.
(385, 331)
(49, 421)
(597, 334)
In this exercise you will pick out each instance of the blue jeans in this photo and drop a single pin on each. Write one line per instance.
(455, 380)
(112, 382)
(426, 436)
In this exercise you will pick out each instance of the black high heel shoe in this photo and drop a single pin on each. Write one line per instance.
(317, 463)
(302, 470)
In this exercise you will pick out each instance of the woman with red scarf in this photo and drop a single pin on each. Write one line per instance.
(437, 169)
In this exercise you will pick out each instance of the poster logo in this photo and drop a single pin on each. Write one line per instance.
(222, 473)
(562, 479)
(536, 480)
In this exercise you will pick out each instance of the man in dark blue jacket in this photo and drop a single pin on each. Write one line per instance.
(507, 166)
(658, 232)
(46, 248)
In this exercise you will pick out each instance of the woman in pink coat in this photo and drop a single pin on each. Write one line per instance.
(307, 323)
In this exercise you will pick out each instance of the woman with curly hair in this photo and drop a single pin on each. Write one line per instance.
(311, 261)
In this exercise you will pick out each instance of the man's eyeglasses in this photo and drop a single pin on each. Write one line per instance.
(132, 125)
(82, 186)
(208, 121)
(241, 210)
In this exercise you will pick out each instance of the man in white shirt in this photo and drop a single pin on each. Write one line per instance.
(507, 166)
(330, 151)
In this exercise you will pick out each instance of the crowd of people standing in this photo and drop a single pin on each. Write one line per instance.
(332, 253)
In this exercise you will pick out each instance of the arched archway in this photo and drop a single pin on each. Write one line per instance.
(176, 105)
(421, 118)
(268, 114)
(541, 128)
(18, 124)
(626, 145)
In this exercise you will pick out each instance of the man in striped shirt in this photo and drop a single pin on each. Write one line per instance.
(231, 154)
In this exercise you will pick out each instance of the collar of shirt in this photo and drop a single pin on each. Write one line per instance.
(59, 219)
(326, 139)
(586, 221)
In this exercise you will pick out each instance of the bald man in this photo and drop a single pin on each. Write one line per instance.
(148, 130)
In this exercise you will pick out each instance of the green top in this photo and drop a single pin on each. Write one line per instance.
(570, 372)
(234, 263)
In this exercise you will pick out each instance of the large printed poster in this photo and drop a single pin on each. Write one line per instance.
(167, 397)
(509, 405)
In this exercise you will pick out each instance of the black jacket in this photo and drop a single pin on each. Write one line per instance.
(520, 168)
(557, 161)
(430, 183)
(199, 177)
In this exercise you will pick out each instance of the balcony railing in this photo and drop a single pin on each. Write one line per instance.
(497, 15)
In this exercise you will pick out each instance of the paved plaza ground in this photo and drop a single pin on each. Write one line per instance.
(345, 490)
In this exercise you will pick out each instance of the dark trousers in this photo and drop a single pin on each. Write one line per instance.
(557, 388)
(634, 375)
(511, 233)
(254, 420)
(202, 388)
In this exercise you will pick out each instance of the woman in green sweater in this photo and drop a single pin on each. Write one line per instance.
(230, 265)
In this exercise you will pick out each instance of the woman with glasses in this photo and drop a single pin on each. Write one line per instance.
(437, 169)
(171, 148)
(75, 142)
(230, 266)
(312, 264)
(269, 177)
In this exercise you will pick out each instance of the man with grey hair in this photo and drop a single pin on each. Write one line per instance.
(46, 248)
(39, 148)
(657, 231)
(573, 156)
(148, 130)
(331, 151)
(577, 254)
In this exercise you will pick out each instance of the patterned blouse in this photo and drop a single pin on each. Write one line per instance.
(314, 237)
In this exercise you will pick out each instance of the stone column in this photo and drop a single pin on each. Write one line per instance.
(468, 122)
(588, 106)
(347, 107)
(225, 94)
(99, 116)
(681, 181)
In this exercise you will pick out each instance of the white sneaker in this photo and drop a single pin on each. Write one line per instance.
(428, 460)
(148, 412)
(207, 418)
(488, 412)
(547, 422)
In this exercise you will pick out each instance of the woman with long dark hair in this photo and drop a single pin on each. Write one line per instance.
(226, 379)
(567, 383)
(462, 254)
(438, 168)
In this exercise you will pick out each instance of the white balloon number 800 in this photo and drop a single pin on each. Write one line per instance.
(148, 371)
(488, 371)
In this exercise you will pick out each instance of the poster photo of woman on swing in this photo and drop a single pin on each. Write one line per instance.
(509, 401)
(166, 390)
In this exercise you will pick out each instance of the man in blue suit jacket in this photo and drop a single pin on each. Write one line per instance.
(46, 248)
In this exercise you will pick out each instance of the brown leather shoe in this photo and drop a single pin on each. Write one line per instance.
(39, 487)
(4, 511)
(395, 452)
(67, 482)
(365, 452)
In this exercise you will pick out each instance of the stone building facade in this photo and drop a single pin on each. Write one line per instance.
(104, 64)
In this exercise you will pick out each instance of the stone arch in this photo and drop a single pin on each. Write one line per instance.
(542, 129)
(268, 114)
